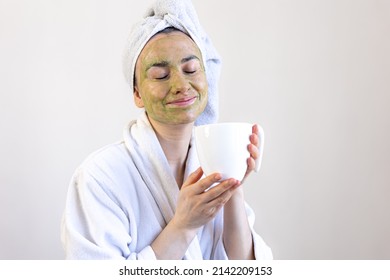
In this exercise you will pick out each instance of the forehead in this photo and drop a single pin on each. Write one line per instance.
(173, 45)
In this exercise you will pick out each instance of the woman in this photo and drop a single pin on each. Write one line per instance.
(145, 198)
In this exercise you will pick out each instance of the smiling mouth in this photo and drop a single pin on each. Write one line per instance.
(183, 102)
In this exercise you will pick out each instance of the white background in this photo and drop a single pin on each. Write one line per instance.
(315, 74)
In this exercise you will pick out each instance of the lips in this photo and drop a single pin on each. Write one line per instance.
(182, 101)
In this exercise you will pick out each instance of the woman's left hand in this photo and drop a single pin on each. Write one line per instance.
(253, 149)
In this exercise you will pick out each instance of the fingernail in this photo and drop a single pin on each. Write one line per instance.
(233, 181)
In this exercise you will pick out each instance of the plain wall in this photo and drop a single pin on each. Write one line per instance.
(314, 74)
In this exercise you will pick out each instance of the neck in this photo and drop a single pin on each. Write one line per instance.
(175, 141)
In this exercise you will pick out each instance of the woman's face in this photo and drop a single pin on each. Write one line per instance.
(170, 79)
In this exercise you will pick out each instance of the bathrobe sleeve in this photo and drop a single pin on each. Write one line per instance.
(261, 249)
(94, 226)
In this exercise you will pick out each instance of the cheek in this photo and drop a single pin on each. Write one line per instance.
(200, 84)
(153, 92)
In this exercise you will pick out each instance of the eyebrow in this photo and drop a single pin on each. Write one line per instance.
(166, 63)
(188, 58)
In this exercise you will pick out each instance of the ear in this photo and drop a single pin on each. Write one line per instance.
(137, 98)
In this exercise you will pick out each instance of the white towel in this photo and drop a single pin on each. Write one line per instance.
(179, 14)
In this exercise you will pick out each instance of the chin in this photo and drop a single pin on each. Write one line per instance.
(188, 119)
(184, 121)
(179, 117)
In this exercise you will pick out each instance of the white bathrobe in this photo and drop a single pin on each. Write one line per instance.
(122, 197)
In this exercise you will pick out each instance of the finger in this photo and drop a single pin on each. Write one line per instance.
(253, 151)
(219, 189)
(193, 178)
(255, 129)
(251, 165)
(206, 183)
(223, 198)
(254, 139)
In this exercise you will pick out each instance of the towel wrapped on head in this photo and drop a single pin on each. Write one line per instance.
(181, 15)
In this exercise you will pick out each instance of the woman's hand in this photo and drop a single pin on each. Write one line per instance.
(253, 149)
(196, 206)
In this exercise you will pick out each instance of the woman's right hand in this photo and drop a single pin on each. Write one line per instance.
(196, 206)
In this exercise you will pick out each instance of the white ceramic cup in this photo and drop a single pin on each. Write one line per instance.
(223, 148)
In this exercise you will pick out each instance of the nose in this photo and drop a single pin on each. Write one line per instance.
(179, 83)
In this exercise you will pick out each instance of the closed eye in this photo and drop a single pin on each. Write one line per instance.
(158, 73)
(190, 71)
(191, 64)
(162, 77)
(191, 67)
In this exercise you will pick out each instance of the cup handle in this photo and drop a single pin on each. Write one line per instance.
(260, 135)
